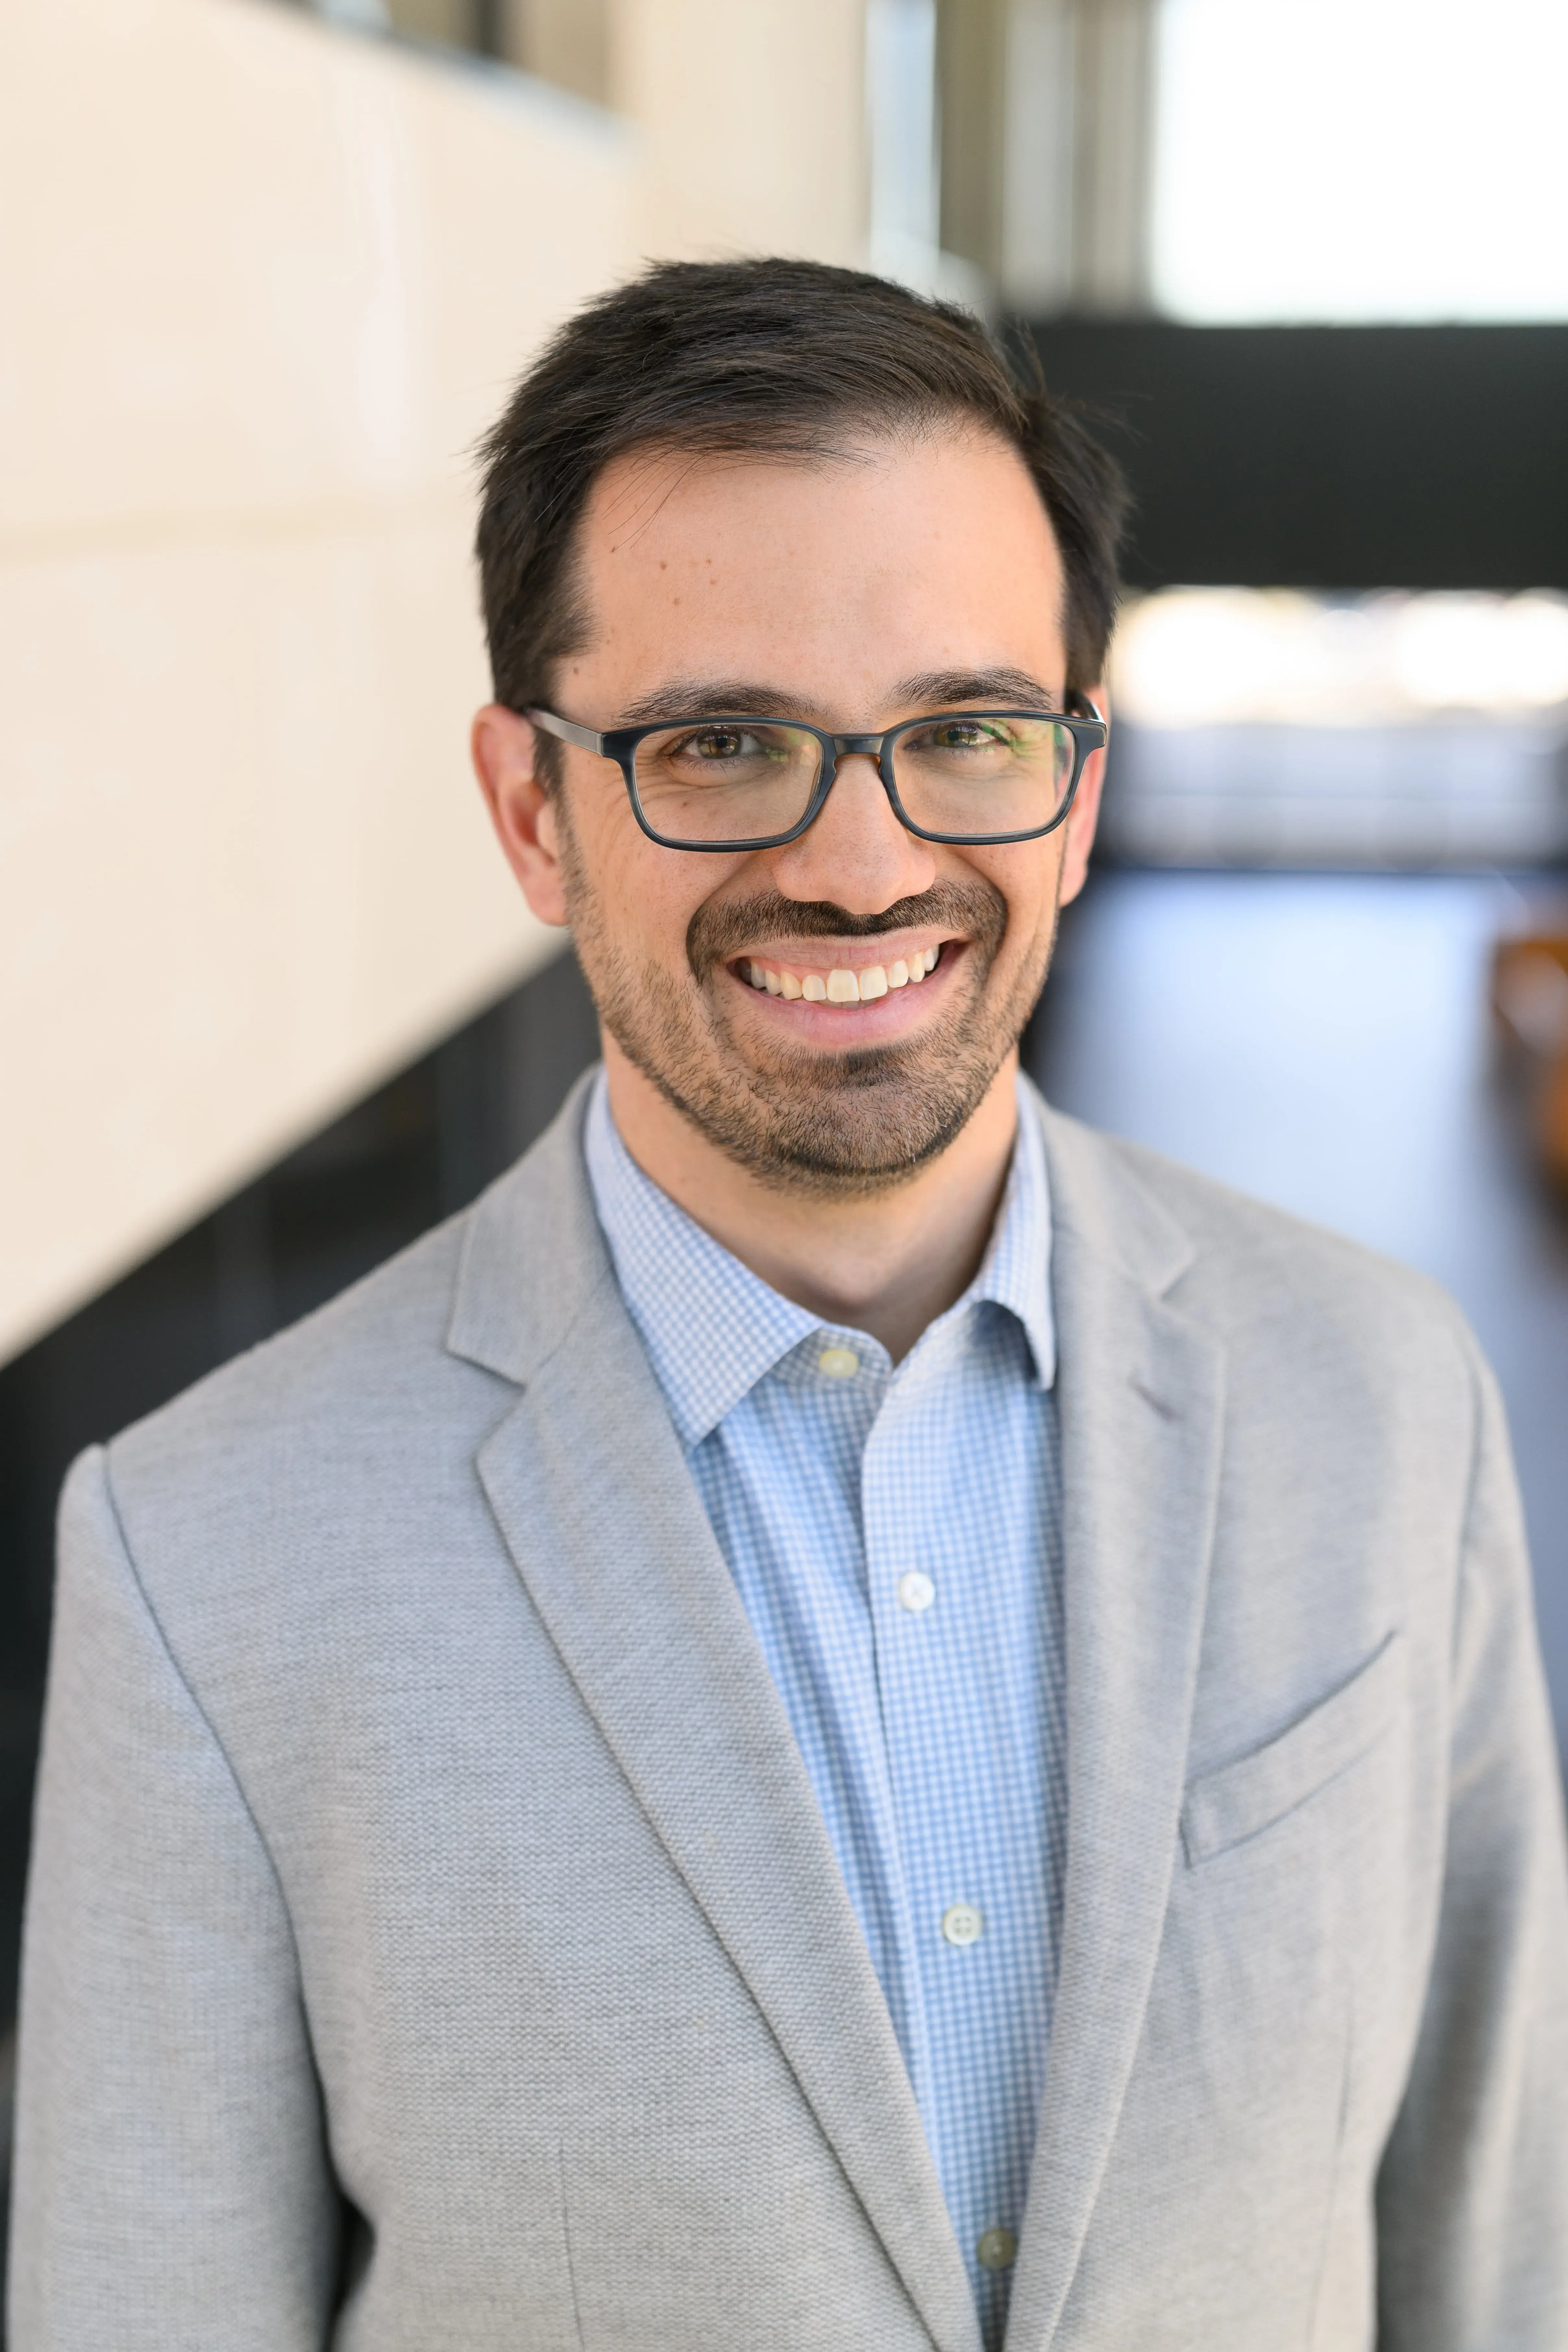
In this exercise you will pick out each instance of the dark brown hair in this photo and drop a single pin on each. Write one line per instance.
(786, 357)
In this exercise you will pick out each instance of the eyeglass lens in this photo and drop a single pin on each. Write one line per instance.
(968, 774)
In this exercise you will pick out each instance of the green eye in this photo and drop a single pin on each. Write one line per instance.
(958, 739)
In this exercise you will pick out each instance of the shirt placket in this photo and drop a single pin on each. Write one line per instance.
(908, 1557)
(961, 1898)
(846, 1380)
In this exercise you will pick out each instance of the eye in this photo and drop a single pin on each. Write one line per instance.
(718, 743)
(958, 737)
(963, 735)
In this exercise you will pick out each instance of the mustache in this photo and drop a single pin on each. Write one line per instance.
(719, 931)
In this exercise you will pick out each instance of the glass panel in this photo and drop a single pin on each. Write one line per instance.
(980, 772)
(726, 779)
(1266, 727)
(1360, 160)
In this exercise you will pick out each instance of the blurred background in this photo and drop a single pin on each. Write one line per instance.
(270, 1005)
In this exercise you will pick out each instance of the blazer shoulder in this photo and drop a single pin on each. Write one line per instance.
(1241, 1266)
(385, 1353)
(368, 1411)
(362, 1363)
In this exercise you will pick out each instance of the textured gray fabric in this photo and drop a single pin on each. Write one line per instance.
(434, 1945)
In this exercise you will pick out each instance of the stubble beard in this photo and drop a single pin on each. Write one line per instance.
(848, 1123)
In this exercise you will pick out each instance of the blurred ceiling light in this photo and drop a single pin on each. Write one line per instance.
(1219, 656)
(1481, 652)
(1361, 160)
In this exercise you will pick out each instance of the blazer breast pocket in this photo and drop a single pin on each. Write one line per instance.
(1250, 1794)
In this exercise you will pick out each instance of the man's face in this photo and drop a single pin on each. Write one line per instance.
(903, 577)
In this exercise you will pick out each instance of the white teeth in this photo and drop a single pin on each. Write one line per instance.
(841, 986)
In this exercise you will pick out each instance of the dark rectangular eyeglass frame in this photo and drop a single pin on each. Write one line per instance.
(620, 743)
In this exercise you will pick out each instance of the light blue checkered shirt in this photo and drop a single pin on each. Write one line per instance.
(933, 1734)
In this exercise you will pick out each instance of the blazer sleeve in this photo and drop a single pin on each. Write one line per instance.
(1473, 2191)
(170, 2179)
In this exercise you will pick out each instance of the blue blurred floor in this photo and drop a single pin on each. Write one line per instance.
(1322, 1041)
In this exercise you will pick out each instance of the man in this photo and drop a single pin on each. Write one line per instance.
(848, 1716)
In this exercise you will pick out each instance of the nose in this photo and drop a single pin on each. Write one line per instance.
(856, 855)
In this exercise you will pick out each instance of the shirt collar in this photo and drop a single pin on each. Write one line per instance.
(713, 1329)
(1016, 1271)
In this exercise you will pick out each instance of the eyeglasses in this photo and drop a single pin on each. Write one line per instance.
(980, 778)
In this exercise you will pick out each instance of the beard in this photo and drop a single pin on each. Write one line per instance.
(801, 1118)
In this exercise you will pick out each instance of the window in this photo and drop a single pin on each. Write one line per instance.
(1347, 161)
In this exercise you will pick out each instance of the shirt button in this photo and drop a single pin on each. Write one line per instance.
(839, 1363)
(961, 1924)
(997, 2249)
(916, 1591)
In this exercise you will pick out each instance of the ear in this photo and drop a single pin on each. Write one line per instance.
(505, 749)
(1084, 814)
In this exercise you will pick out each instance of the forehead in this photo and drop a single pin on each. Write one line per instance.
(893, 556)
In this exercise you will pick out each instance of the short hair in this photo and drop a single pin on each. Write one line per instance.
(790, 357)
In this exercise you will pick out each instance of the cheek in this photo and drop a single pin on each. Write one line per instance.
(1028, 878)
(640, 898)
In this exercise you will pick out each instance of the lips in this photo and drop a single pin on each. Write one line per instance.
(840, 984)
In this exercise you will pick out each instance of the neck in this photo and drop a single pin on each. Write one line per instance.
(887, 1262)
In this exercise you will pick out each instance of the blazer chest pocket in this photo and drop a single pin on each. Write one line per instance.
(1251, 1794)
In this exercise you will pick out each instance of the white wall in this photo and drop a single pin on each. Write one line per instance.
(262, 284)
(752, 115)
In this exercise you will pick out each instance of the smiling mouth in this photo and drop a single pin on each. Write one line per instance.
(840, 984)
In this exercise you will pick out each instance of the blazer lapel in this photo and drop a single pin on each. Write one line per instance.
(590, 1489)
(1141, 1399)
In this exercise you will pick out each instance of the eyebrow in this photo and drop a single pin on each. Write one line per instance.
(689, 698)
(944, 685)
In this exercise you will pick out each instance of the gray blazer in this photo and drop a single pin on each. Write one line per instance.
(434, 1944)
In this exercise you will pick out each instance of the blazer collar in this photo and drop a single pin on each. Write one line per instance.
(1098, 1194)
(1141, 1395)
(532, 1254)
(532, 1251)
(589, 1488)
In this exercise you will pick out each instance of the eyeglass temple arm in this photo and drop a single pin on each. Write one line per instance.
(567, 729)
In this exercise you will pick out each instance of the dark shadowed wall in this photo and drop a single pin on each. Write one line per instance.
(1333, 458)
